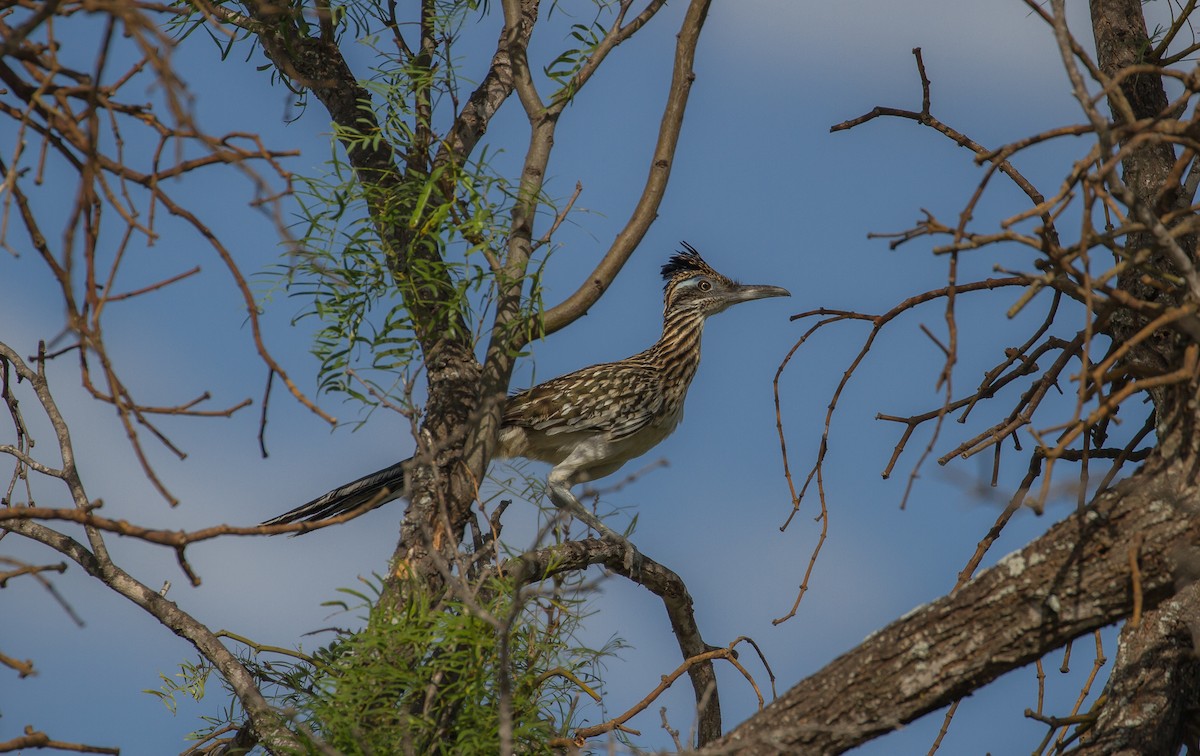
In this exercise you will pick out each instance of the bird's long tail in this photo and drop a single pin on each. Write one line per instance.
(378, 488)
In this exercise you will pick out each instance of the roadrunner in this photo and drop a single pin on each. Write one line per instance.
(589, 423)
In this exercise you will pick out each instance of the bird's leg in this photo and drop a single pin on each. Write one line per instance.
(561, 497)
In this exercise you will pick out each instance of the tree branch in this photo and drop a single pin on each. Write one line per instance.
(1155, 682)
(97, 563)
(495, 88)
(577, 304)
(265, 719)
(659, 580)
(320, 66)
(1070, 581)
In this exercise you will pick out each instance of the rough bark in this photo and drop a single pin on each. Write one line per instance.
(1156, 674)
(1068, 582)
(441, 487)
(1119, 29)
(659, 580)
(1153, 692)
(1076, 578)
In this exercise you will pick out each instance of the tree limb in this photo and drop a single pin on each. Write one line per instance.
(1155, 682)
(577, 304)
(659, 580)
(1070, 581)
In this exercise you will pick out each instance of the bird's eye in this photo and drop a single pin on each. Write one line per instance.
(704, 285)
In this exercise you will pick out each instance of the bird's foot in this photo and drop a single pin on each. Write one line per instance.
(632, 560)
(566, 502)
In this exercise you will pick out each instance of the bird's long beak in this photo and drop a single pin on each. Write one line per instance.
(747, 292)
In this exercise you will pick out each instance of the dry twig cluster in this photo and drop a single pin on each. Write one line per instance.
(1113, 250)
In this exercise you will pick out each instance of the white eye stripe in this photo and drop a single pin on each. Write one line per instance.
(697, 282)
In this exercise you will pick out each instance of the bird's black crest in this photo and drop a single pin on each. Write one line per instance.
(688, 262)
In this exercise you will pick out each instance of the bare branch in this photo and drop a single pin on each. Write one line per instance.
(1064, 584)
(660, 580)
(35, 739)
(644, 213)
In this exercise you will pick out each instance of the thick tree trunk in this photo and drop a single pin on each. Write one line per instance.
(1153, 693)
(1156, 677)
(1122, 41)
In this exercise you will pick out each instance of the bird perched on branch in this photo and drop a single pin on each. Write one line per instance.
(589, 423)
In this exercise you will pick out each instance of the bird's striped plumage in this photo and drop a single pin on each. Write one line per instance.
(588, 423)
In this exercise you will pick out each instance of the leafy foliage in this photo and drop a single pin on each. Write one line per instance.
(190, 680)
(341, 268)
(563, 69)
(351, 230)
(404, 235)
(426, 676)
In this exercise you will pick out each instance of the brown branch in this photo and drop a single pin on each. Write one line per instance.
(1067, 583)
(1135, 582)
(252, 312)
(877, 324)
(646, 210)
(98, 564)
(48, 586)
(618, 722)
(29, 569)
(925, 118)
(1022, 414)
(662, 712)
(559, 217)
(263, 716)
(35, 739)
(1098, 662)
(816, 472)
(23, 668)
(812, 558)
(618, 33)
(72, 134)
(583, 733)
(212, 743)
(15, 38)
(152, 287)
(172, 538)
(1154, 685)
(658, 579)
(1186, 372)
(937, 742)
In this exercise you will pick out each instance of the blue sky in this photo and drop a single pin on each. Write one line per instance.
(768, 195)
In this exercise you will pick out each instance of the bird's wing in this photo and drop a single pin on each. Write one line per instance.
(618, 398)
